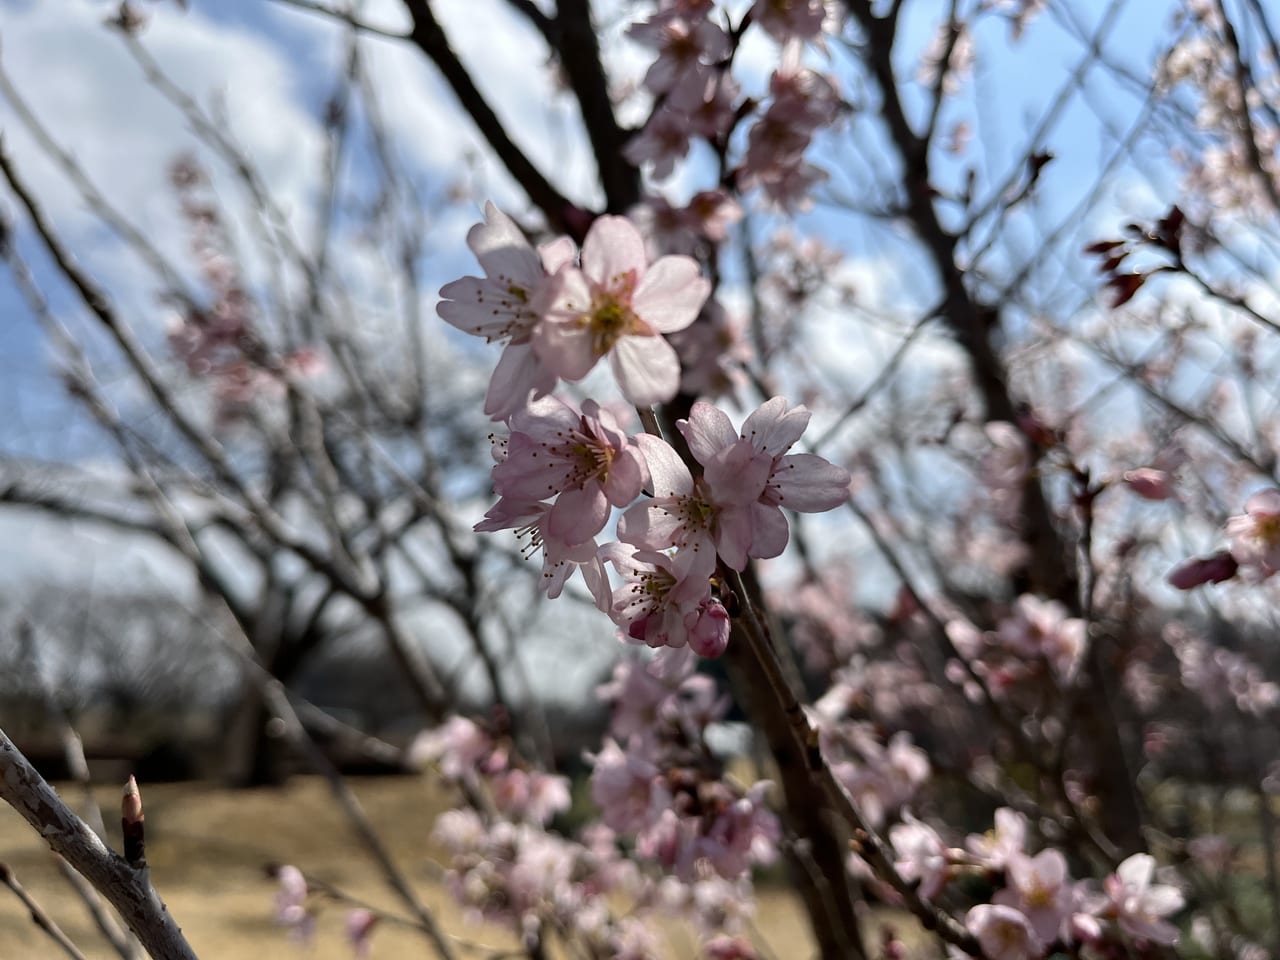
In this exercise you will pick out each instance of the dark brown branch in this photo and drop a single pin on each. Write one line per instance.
(430, 38)
(579, 51)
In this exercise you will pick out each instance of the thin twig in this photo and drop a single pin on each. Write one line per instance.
(38, 915)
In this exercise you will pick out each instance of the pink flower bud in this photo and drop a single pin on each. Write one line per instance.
(1150, 483)
(1200, 570)
(709, 635)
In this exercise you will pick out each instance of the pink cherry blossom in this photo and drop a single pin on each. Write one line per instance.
(529, 795)
(291, 903)
(995, 848)
(802, 102)
(881, 779)
(584, 457)
(1138, 905)
(664, 140)
(708, 105)
(618, 305)
(505, 305)
(622, 785)
(1003, 933)
(686, 47)
(635, 693)
(359, 929)
(1041, 628)
(1255, 535)
(709, 630)
(920, 855)
(559, 558)
(751, 477)
(661, 606)
(744, 832)
(683, 515)
(1039, 888)
(459, 746)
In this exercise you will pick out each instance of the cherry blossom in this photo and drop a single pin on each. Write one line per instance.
(559, 558)
(459, 747)
(751, 476)
(1040, 888)
(618, 305)
(291, 903)
(661, 606)
(584, 457)
(790, 19)
(683, 515)
(995, 848)
(505, 305)
(1255, 535)
(802, 103)
(920, 855)
(1138, 905)
(664, 140)
(622, 786)
(529, 795)
(359, 926)
(686, 46)
(1041, 628)
(1003, 933)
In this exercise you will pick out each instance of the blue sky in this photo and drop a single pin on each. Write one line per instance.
(273, 67)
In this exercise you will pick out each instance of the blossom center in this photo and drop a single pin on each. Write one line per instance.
(593, 459)
(611, 317)
(1267, 529)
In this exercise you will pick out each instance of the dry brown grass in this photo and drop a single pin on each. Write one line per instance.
(208, 846)
(208, 849)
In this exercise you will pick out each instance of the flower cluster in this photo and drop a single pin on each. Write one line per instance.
(695, 97)
(667, 788)
(1035, 640)
(561, 471)
(881, 776)
(1037, 909)
(557, 317)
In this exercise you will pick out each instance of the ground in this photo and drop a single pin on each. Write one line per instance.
(208, 848)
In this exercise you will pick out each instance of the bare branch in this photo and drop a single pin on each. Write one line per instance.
(38, 915)
(128, 890)
(431, 39)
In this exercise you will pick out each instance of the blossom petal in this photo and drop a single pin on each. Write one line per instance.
(769, 531)
(807, 483)
(519, 372)
(733, 538)
(670, 475)
(671, 293)
(626, 477)
(525, 475)
(773, 428)
(646, 368)
(503, 250)
(613, 247)
(650, 525)
(565, 348)
(707, 431)
(578, 515)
